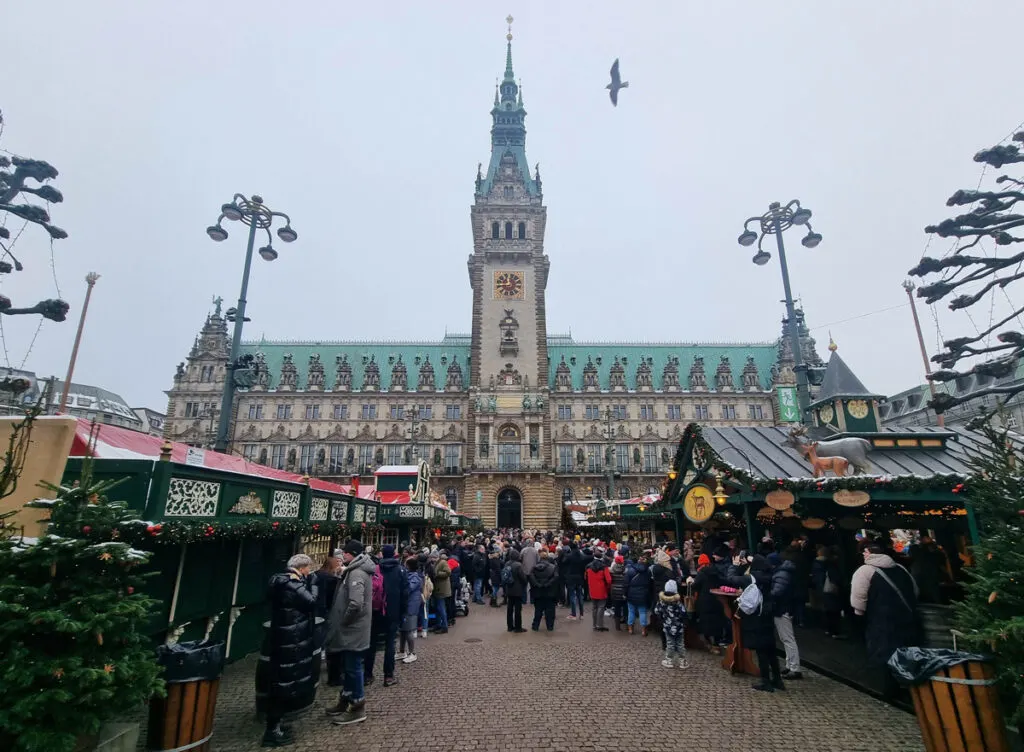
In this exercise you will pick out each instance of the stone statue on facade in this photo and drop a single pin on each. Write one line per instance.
(315, 373)
(289, 374)
(342, 374)
(426, 378)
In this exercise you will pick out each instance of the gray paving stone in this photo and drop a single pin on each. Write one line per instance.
(576, 690)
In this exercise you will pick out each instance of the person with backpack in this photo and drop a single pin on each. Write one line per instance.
(441, 574)
(513, 580)
(755, 609)
(389, 601)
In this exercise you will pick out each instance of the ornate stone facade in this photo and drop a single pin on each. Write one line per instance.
(511, 419)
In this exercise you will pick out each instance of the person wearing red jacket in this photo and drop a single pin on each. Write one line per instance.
(599, 583)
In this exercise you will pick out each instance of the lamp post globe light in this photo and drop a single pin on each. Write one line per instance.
(775, 221)
(256, 215)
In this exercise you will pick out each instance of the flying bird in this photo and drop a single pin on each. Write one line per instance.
(616, 84)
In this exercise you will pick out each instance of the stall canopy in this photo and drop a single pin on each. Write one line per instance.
(922, 452)
(115, 443)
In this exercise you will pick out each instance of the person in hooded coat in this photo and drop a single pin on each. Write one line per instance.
(638, 591)
(575, 566)
(544, 586)
(759, 627)
(348, 631)
(291, 642)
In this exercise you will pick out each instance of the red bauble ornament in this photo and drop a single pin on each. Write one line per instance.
(151, 529)
(86, 529)
(274, 524)
(129, 590)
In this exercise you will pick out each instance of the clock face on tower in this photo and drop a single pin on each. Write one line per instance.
(508, 286)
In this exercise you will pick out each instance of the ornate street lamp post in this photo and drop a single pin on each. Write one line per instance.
(256, 215)
(775, 221)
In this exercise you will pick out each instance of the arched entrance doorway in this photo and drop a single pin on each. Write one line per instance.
(510, 508)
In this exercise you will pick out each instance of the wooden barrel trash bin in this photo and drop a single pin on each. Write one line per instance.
(298, 704)
(183, 720)
(955, 699)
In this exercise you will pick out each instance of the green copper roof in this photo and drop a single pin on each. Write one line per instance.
(457, 347)
(603, 356)
(508, 132)
(413, 354)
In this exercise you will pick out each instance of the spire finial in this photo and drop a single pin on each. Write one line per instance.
(509, 75)
(832, 346)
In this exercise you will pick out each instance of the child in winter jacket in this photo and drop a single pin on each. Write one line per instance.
(669, 609)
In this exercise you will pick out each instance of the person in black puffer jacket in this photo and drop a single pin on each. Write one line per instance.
(575, 566)
(544, 584)
(784, 600)
(638, 591)
(291, 643)
(759, 627)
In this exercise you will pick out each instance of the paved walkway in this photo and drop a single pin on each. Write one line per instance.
(480, 688)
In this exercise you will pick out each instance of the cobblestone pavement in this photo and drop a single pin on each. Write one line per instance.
(573, 690)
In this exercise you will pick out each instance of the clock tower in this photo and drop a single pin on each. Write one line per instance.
(508, 272)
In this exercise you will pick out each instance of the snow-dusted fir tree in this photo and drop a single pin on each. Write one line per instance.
(72, 622)
(992, 612)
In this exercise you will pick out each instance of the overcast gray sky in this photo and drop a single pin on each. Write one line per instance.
(366, 122)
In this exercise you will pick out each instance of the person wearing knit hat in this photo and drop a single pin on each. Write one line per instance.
(703, 560)
(670, 611)
(387, 552)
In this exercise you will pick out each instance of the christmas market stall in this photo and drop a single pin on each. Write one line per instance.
(410, 510)
(218, 527)
(835, 481)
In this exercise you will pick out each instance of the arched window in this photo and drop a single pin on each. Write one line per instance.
(509, 192)
(566, 495)
(495, 230)
(522, 230)
(508, 231)
(508, 432)
(451, 497)
(653, 491)
(625, 493)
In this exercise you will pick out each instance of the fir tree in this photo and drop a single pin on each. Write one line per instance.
(992, 613)
(72, 625)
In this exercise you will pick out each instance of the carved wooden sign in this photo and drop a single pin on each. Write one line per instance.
(248, 504)
(848, 498)
(780, 499)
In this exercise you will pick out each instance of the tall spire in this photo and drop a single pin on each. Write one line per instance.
(509, 75)
(508, 130)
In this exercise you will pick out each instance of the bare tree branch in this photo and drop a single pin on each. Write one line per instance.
(968, 279)
(28, 178)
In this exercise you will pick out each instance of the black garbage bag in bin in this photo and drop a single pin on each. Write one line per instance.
(955, 698)
(184, 718)
(191, 661)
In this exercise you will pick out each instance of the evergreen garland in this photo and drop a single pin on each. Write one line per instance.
(198, 531)
(992, 612)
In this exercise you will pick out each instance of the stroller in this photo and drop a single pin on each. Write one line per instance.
(462, 599)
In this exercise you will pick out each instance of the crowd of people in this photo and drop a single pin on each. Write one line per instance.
(389, 601)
